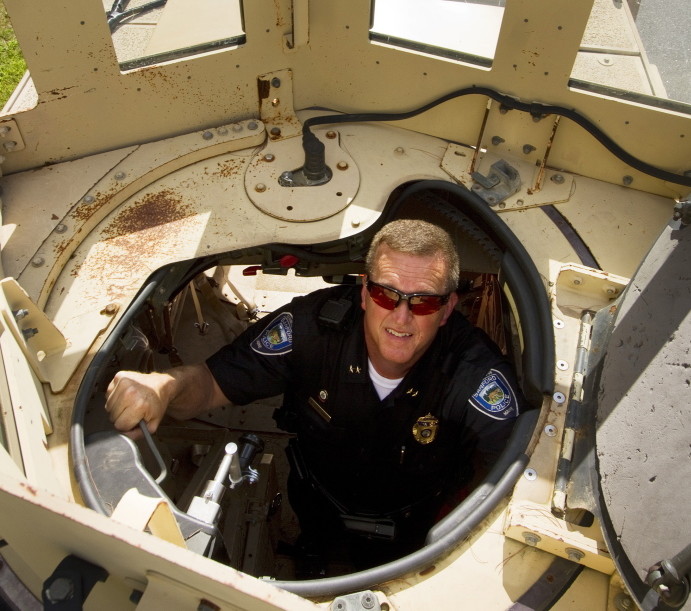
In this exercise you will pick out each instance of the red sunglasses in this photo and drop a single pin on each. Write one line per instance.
(420, 304)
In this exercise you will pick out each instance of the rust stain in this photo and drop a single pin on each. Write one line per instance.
(228, 169)
(153, 210)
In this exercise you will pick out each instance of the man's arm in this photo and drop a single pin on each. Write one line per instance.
(182, 392)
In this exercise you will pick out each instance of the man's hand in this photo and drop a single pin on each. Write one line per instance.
(133, 396)
(182, 392)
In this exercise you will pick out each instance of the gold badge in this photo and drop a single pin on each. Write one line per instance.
(425, 429)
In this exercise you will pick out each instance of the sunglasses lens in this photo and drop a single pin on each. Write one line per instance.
(382, 296)
(425, 304)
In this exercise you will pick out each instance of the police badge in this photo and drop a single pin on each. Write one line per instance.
(425, 429)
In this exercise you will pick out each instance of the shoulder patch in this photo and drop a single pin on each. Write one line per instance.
(277, 338)
(495, 397)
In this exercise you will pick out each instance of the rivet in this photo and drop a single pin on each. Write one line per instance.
(578, 281)
(550, 430)
(559, 397)
(531, 538)
(89, 199)
(528, 148)
(252, 125)
(559, 324)
(260, 187)
(399, 150)
(29, 333)
(331, 134)
(573, 554)
(60, 228)
(627, 180)
(276, 82)
(355, 223)
(609, 289)
(222, 131)
(563, 365)
(269, 157)
(530, 474)
(207, 135)
(111, 309)
(342, 165)
(275, 131)
(557, 178)
(37, 262)
(275, 102)
(503, 204)
(497, 140)
(19, 314)
(237, 127)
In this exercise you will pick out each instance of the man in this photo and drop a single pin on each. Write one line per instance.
(392, 393)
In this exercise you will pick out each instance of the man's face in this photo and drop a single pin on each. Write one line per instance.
(396, 339)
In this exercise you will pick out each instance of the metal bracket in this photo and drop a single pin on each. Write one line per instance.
(682, 211)
(502, 181)
(70, 584)
(670, 578)
(366, 600)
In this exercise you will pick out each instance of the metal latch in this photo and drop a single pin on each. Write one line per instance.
(502, 181)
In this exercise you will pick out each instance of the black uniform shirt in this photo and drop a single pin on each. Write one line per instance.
(375, 457)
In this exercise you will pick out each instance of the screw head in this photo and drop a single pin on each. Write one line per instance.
(260, 187)
(276, 82)
(120, 176)
(550, 430)
(367, 600)
(37, 262)
(207, 135)
(557, 178)
(60, 228)
(252, 125)
(342, 165)
(331, 134)
(88, 199)
(531, 538)
(530, 474)
(573, 554)
(275, 131)
(269, 157)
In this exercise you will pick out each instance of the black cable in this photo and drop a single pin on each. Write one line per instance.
(534, 108)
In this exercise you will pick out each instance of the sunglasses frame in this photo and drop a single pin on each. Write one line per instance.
(443, 299)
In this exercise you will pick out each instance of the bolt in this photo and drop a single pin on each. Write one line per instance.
(37, 262)
(269, 157)
(275, 102)
(252, 125)
(559, 397)
(530, 474)
(331, 134)
(627, 180)
(367, 601)
(61, 590)
(275, 131)
(557, 178)
(610, 290)
(29, 332)
(111, 309)
(550, 430)
(19, 314)
(120, 176)
(528, 148)
(342, 165)
(531, 538)
(89, 199)
(573, 554)
(260, 187)
(60, 228)
(623, 602)
(497, 140)
(207, 135)
(276, 82)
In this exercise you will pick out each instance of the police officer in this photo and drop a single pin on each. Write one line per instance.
(392, 393)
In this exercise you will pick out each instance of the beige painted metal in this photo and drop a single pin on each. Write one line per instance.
(35, 520)
(88, 84)
(582, 288)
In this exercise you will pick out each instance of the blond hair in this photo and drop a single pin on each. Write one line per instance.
(419, 238)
